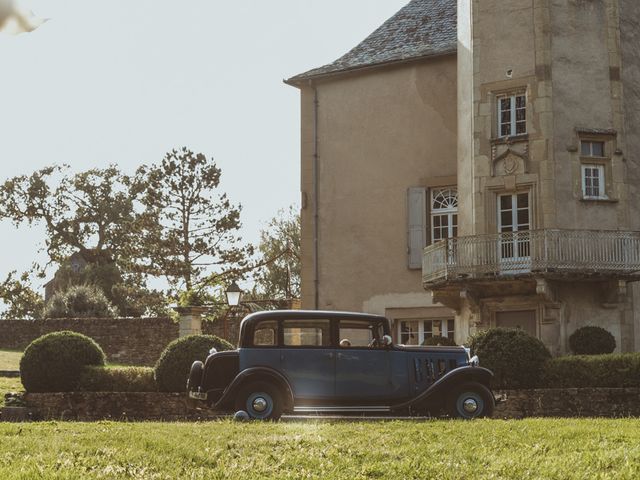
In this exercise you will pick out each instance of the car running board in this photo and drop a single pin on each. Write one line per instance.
(333, 409)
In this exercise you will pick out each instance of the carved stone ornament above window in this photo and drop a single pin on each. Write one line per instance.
(509, 162)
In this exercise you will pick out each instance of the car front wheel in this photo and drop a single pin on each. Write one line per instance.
(471, 401)
(261, 400)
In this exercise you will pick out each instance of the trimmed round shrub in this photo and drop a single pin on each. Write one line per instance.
(516, 359)
(172, 368)
(79, 301)
(592, 341)
(54, 362)
(437, 340)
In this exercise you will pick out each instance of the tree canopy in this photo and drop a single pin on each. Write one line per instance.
(279, 247)
(196, 238)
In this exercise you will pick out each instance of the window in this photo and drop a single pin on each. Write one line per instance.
(593, 181)
(592, 149)
(512, 115)
(307, 333)
(444, 214)
(359, 333)
(415, 332)
(266, 334)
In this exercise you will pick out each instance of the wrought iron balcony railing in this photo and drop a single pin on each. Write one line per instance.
(562, 252)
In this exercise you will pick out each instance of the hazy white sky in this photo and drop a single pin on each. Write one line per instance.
(114, 81)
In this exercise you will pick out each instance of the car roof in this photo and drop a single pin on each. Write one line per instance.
(306, 314)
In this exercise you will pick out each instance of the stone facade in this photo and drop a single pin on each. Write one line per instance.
(86, 406)
(538, 99)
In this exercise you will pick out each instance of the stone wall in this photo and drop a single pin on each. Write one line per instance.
(129, 341)
(570, 402)
(91, 406)
(85, 406)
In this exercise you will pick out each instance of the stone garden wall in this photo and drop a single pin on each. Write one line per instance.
(129, 341)
(85, 406)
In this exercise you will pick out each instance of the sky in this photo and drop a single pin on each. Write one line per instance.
(123, 82)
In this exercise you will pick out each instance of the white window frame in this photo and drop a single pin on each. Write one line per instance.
(422, 328)
(601, 180)
(513, 124)
(450, 212)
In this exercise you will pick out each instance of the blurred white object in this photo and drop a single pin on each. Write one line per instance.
(15, 20)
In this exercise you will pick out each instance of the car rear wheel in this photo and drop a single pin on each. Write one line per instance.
(470, 401)
(261, 400)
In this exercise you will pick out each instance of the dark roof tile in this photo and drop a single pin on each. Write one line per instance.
(421, 28)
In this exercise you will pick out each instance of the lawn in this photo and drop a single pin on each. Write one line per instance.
(10, 360)
(536, 448)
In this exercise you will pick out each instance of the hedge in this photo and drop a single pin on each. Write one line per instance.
(172, 368)
(516, 359)
(592, 340)
(117, 379)
(612, 370)
(54, 362)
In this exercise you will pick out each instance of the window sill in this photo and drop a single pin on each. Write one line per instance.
(599, 200)
(511, 139)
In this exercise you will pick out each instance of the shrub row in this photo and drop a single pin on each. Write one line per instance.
(68, 361)
(117, 379)
(612, 370)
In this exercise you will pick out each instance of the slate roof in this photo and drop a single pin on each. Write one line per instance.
(422, 28)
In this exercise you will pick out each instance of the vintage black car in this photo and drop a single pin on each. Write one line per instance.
(314, 361)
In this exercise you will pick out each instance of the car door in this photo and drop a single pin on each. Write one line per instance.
(363, 370)
(308, 358)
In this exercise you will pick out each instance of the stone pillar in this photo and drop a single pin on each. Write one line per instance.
(190, 320)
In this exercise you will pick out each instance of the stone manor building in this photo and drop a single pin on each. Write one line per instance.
(477, 163)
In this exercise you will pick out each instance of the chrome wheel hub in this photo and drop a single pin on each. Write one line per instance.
(470, 405)
(259, 404)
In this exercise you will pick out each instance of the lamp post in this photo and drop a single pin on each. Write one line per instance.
(234, 295)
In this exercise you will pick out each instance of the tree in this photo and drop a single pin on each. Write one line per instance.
(279, 277)
(21, 300)
(91, 213)
(195, 239)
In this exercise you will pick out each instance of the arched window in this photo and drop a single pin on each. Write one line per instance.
(444, 213)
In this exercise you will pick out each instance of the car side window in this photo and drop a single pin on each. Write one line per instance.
(358, 333)
(265, 334)
(307, 333)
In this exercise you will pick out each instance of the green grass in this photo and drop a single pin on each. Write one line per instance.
(10, 360)
(9, 385)
(526, 449)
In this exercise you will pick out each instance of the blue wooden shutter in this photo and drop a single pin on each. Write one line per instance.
(417, 232)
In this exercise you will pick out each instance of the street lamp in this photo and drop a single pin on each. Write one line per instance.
(234, 294)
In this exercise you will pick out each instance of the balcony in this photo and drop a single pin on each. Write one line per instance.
(569, 254)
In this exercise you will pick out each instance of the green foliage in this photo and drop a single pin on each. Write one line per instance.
(279, 276)
(592, 341)
(54, 362)
(91, 213)
(79, 301)
(22, 301)
(612, 370)
(438, 340)
(117, 379)
(197, 226)
(172, 368)
(192, 298)
(516, 358)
